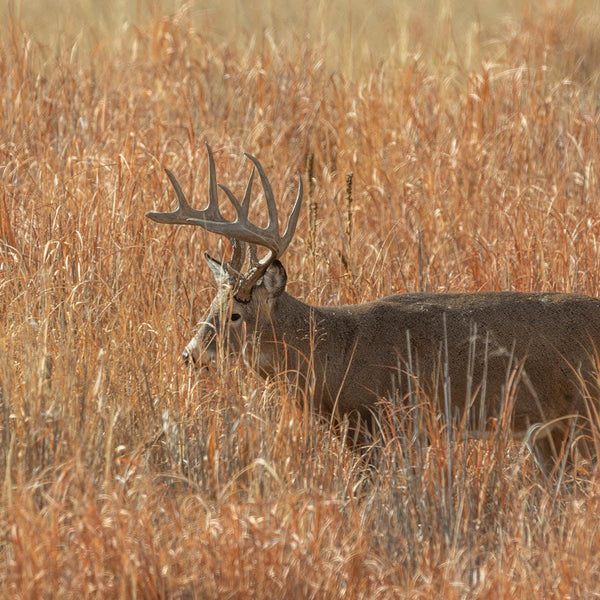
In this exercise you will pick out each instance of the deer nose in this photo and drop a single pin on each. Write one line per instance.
(187, 356)
(191, 354)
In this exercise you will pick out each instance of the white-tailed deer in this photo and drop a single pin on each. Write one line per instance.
(539, 349)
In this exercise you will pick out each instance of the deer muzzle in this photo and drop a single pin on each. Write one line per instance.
(190, 355)
(200, 352)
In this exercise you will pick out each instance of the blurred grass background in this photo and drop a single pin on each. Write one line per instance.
(352, 34)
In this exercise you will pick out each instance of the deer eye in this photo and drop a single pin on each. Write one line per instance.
(236, 317)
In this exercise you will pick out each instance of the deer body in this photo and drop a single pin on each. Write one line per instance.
(360, 354)
(546, 337)
(473, 349)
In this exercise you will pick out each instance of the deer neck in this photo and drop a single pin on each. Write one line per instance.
(287, 337)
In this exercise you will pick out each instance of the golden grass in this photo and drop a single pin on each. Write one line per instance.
(474, 149)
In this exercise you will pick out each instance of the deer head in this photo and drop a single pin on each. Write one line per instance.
(245, 295)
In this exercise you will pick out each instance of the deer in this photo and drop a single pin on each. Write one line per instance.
(480, 347)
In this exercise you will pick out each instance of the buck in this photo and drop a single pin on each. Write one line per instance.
(475, 350)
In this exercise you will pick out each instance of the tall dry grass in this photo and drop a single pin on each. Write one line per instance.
(475, 158)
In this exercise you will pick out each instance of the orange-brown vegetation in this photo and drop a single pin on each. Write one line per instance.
(474, 148)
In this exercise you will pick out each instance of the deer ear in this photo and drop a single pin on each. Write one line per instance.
(275, 279)
(218, 270)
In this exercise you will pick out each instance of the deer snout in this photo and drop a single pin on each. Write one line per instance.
(191, 353)
(199, 352)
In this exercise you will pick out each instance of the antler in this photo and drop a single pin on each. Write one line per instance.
(240, 231)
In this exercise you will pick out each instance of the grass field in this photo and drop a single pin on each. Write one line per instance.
(472, 132)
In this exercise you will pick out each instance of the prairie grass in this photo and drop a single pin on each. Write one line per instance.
(472, 138)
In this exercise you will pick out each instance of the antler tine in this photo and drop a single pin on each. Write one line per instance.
(239, 247)
(234, 266)
(293, 220)
(240, 209)
(209, 218)
(212, 210)
(253, 254)
(271, 205)
(178, 216)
